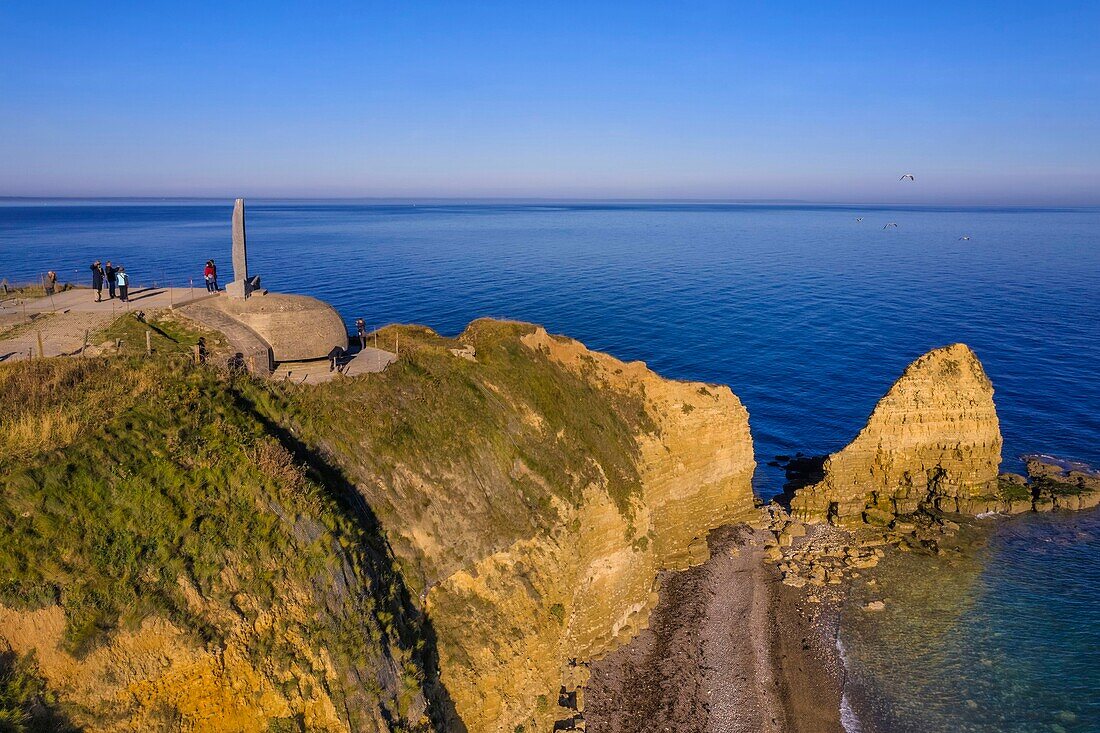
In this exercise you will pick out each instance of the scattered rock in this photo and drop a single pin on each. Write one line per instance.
(875, 606)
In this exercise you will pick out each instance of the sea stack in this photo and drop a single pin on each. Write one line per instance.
(932, 441)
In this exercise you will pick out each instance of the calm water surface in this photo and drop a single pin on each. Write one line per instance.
(1004, 641)
(808, 315)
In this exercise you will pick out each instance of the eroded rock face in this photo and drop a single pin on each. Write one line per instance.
(531, 493)
(933, 439)
(588, 585)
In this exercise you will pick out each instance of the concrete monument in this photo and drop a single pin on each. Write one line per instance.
(242, 286)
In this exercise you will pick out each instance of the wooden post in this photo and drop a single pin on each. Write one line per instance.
(84, 348)
(148, 342)
(41, 351)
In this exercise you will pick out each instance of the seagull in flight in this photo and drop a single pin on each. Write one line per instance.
(859, 219)
(964, 238)
(891, 224)
(909, 176)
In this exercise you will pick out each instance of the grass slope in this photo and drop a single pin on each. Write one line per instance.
(122, 480)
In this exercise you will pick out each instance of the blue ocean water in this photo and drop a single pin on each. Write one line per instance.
(1005, 640)
(806, 313)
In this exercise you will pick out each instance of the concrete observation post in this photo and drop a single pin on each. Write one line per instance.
(242, 286)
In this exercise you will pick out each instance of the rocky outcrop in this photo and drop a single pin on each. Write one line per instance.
(933, 440)
(1056, 485)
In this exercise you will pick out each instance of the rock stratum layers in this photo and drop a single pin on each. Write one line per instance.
(535, 518)
(933, 440)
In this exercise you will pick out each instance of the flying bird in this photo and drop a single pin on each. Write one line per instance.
(859, 219)
(964, 238)
(909, 176)
(891, 224)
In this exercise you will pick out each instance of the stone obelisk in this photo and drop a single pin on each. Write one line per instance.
(240, 253)
(242, 285)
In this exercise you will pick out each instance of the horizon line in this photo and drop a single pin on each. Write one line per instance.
(563, 200)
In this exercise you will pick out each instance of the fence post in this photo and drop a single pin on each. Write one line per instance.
(84, 348)
(148, 342)
(41, 351)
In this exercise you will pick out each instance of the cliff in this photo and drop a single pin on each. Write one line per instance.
(428, 548)
(531, 489)
(933, 440)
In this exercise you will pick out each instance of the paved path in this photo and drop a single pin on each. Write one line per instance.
(369, 360)
(63, 319)
(249, 347)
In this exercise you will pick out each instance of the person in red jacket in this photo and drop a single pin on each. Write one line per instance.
(210, 275)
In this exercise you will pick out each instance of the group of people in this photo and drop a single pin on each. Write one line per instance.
(115, 278)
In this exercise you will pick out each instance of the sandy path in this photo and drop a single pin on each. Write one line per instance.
(62, 333)
(726, 652)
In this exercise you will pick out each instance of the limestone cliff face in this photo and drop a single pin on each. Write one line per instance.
(932, 439)
(531, 492)
(156, 678)
(588, 584)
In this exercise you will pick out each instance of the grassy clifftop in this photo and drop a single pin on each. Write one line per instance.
(477, 453)
(152, 506)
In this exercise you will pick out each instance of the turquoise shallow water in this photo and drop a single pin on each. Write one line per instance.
(1005, 641)
(808, 315)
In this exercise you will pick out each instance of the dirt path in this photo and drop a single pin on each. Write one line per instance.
(727, 651)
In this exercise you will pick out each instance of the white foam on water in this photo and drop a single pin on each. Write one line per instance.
(848, 718)
(987, 515)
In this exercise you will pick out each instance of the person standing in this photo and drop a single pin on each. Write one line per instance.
(51, 282)
(97, 280)
(111, 273)
(361, 329)
(208, 276)
(123, 281)
(214, 274)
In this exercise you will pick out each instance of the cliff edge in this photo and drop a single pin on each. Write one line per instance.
(531, 490)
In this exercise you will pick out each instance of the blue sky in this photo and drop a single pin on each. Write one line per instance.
(983, 102)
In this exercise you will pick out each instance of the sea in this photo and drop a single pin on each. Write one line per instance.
(808, 312)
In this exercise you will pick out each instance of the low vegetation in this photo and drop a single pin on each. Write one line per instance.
(128, 483)
(529, 430)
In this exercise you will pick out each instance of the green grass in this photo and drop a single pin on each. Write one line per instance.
(1010, 491)
(26, 705)
(168, 334)
(123, 476)
(439, 415)
(163, 474)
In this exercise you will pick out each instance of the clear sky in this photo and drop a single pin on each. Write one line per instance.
(992, 102)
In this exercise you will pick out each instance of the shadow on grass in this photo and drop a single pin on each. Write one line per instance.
(25, 703)
(388, 588)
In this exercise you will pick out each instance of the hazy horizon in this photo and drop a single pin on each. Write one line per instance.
(985, 104)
